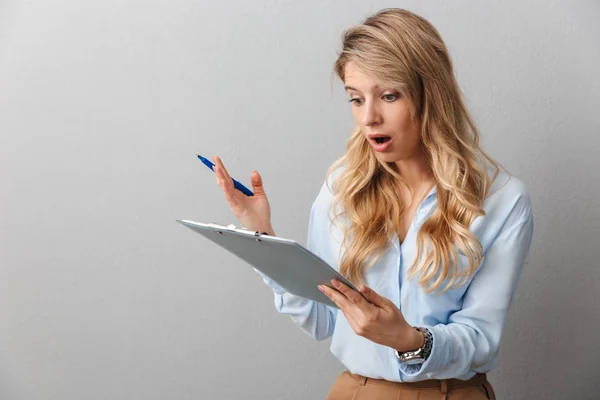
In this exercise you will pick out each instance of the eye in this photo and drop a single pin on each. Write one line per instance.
(356, 101)
(390, 97)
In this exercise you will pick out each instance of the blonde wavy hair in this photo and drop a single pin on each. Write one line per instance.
(404, 52)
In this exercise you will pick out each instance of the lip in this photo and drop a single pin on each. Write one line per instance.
(373, 136)
(380, 147)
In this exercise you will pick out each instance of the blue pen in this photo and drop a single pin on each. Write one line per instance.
(236, 184)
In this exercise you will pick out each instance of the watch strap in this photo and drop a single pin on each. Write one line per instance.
(420, 355)
(428, 341)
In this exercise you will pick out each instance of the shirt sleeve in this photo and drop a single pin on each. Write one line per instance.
(471, 339)
(315, 319)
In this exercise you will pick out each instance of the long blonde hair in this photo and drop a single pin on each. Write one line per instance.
(405, 52)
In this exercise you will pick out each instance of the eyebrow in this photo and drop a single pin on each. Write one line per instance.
(351, 88)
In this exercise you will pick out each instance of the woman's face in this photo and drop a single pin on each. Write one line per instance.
(383, 116)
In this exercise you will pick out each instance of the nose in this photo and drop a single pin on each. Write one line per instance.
(371, 115)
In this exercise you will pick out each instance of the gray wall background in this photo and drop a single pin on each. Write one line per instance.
(103, 105)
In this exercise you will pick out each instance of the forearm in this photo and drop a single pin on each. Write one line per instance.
(315, 319)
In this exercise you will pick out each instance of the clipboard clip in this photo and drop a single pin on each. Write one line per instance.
(233, 228)
(258, 234)
(230, 227)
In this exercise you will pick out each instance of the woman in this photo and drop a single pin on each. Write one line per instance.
(415, 213)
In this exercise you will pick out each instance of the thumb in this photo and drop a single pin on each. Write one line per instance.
(257, 184)
(372, 296)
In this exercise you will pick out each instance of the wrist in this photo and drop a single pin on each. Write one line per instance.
(418, 355)
(411, 340)
(268, 230)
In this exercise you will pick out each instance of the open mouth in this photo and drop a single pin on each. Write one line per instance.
(380, 143)
(381, 140)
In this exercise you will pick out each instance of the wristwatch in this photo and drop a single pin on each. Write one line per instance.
(420, 355)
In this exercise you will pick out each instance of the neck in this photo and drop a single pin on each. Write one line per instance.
(415, 172)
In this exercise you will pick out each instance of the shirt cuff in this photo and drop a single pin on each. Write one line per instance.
(274, 286)
(435, 360)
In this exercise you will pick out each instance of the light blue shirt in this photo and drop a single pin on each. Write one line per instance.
(466, 322)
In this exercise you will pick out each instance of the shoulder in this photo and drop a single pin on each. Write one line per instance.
(326, 194)
(507, 197)
(323, 236)
(507, 206)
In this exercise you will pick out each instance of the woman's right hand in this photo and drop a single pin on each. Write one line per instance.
(253, 212)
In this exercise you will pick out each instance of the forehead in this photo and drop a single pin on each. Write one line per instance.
(355, 78)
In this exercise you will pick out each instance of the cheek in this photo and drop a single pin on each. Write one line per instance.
(407, 127)
(402, 120)
(411, 137)
(357, 116)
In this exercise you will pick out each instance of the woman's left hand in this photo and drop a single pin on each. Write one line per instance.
(374, 317)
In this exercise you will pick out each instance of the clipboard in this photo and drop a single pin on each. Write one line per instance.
(289, 264)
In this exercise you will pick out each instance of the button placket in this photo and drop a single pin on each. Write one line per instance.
(419, 216)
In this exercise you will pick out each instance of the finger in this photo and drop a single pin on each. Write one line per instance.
(227, 186)
(338, 298)
(225, 180)
(257, 184)
(232, 200)
(219, 167)
(220, 170)
(352, 295)
(343, 304)
(217, 171)
(373, 297)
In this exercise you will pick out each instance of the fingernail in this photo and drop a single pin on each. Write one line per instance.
(335, 283)
(320, 288)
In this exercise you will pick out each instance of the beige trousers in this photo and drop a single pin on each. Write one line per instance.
(349, 386)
